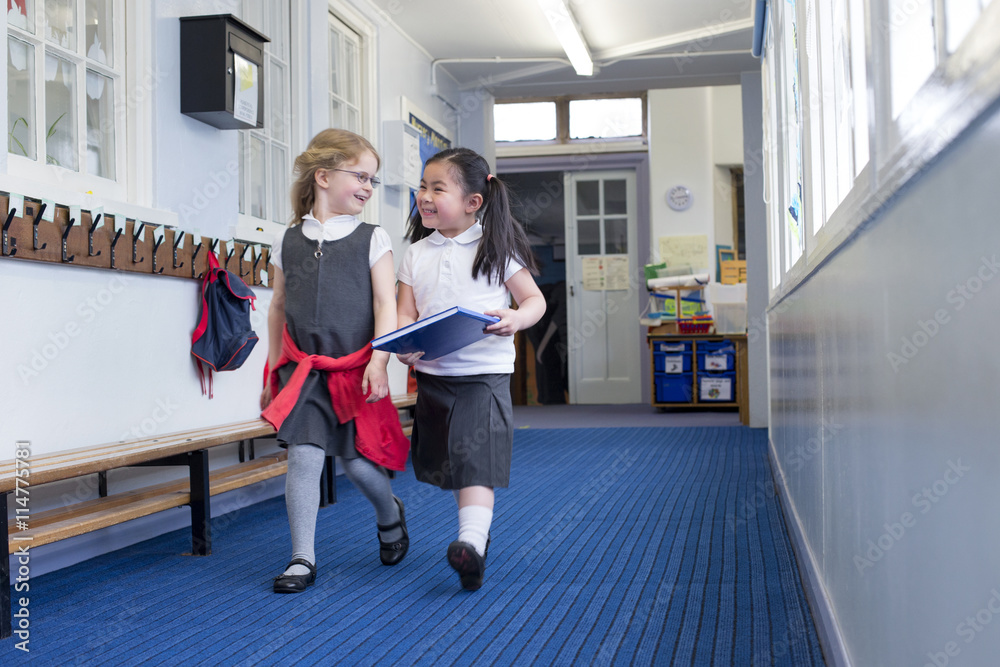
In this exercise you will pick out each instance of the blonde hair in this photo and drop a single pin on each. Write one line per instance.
(328, 150)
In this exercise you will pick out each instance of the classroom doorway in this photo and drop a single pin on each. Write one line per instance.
(586, 349)
(541, 373)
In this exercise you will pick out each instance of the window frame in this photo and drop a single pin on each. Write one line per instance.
(37, 170)
(249, 227)
(963, 84)
(563, 143)
(368, 82)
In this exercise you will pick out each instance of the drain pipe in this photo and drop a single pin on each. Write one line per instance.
(496, 59)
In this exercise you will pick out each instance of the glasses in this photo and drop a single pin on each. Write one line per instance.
(363, 177)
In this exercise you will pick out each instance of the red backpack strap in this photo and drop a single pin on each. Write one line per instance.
(202, 372)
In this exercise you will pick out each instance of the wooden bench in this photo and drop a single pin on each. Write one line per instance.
(32, 529)
(189, 448)
(405, 404)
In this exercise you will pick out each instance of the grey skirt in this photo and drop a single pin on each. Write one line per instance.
(313, 421)
(463, 430)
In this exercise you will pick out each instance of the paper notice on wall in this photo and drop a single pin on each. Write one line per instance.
(245, 94)
(593, 273)
(616, 272)
(605, 273)
(685, 251)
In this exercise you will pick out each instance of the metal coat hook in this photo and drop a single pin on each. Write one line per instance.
(90, 237)
(178, 238)
(194, 260)
(34, 229)
(65, 240)
(156, 246)
(256, 261)
(229, 256)
(211, 249)
(9, 243)
(135, 241)
(114, 242)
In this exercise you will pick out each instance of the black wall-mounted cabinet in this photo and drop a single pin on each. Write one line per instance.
(209, 49)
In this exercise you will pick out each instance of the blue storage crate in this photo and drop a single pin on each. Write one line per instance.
(718, 361)
(717, 387)
(672, 362)
(671, 346)
(717, 346)
(673, 388)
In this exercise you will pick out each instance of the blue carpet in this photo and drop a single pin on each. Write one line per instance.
(645, 546)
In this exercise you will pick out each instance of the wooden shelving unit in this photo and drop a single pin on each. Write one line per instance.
(740, 390)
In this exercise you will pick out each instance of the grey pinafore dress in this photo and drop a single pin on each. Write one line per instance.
(328, 311)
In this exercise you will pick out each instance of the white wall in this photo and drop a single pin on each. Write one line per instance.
(196, 166)
(727, 128)
(691, 130)
(727, 152)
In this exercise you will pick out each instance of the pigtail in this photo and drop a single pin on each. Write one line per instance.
(503, 237)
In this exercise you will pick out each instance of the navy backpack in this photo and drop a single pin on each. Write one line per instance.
(223, 338)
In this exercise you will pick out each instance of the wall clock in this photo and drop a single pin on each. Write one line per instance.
(679, 198)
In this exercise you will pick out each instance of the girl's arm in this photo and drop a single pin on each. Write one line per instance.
(530, 306)
(406, 314)
(384, 306)
(275, 329)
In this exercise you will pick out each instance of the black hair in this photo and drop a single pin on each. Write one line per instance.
(503, 237)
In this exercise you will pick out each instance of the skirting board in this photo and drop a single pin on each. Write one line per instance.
(830, 637)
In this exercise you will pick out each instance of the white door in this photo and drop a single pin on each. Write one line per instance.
(601, 282)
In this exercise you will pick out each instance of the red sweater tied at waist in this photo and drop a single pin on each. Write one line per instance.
(379, 437)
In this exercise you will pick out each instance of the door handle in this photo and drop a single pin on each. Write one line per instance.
(571, 293)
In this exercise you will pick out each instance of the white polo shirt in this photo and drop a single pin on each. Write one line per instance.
(334, 229)
(439, 270)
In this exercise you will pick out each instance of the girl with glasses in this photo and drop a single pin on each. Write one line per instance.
(334, 291)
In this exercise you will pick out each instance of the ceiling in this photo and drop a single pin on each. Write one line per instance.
(635, 44)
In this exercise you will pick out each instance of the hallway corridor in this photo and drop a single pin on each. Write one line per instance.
(646, 546)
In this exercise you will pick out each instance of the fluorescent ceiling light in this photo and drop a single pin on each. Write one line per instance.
(566, 29)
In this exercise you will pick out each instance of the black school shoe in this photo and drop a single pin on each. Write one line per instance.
(470, 566)
(391, 553)
(295, 583)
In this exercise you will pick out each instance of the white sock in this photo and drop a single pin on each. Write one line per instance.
(474, 526)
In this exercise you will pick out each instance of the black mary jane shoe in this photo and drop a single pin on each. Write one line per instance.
(295, 583)
(391, 553)
(470, 566)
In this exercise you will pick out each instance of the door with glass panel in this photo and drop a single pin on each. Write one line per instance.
(602, 307)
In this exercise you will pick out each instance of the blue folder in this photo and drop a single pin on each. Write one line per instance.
(438, 334)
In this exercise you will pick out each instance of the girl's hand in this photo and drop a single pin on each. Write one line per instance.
(377, 380)
(265, 396)
(509, 324)
(410, 358)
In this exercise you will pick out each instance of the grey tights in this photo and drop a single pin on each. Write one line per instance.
(305, 466)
